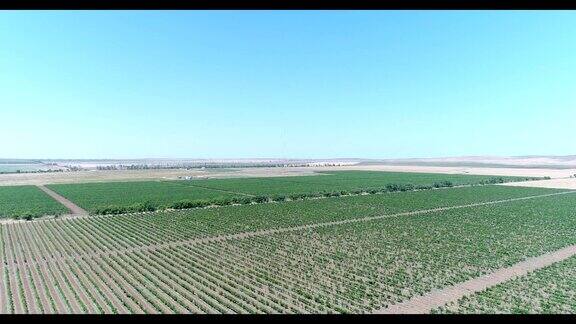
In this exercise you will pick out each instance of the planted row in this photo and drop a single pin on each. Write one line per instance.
(550, 290)
(123, 197)
(27, 202)
(149, 206)
(121, 264)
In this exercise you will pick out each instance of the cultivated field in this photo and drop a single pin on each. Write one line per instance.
(99, 197)
(27, 201)
(121, 197)
(342, 254)
(551, 290)
(375, 241)
(338, 181)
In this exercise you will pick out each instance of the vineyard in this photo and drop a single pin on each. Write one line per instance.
(27, 202)
(550, 290)
(135, 196)
(342, 181)
(336, 255)
(123, 197)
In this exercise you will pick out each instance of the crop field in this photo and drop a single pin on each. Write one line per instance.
(340, 180)
(22, 201)
(121, 197)
(551, 290)
(131, 195)
(335, 255)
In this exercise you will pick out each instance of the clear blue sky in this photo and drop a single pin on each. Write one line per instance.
(301, 84)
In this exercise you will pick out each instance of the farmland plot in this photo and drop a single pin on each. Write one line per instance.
(92, 196)
(365, 266)
(121, 197)
(100, 233)
(123, 264)
(340, 180)
(20, 201)
(549, 290)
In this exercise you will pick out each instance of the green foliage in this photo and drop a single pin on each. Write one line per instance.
(549, 290)
(346, 268)
(118, 197)
(27, 202)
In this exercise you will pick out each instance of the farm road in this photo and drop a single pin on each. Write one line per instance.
(424, 304)
(74, 209)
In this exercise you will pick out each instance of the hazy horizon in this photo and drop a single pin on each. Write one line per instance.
(286, 84)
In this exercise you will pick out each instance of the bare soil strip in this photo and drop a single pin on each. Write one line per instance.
(74, 209)
(154, 247)
(424, 304)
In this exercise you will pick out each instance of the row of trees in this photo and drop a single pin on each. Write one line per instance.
(149, 206)
(197, 166)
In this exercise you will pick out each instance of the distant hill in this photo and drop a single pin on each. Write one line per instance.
(530, 161)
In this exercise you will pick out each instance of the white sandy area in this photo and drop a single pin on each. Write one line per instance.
(566, 183)
(521, 172)
(140, 175)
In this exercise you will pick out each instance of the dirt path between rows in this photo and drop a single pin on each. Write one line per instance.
(75, 210)
(424, 304)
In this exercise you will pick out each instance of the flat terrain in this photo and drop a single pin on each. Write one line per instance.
(102, 198)
(343, 254)
(74, 209)
(336, 181)
(146, 175)
(418, 249)
(565, 183)
(19, 201)
(551, 290)
(533, 161)
(511, 171)
(460, 292)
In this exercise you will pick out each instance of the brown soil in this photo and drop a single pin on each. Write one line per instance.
(74, 209)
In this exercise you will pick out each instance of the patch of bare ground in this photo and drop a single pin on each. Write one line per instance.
(426, 303)
(520, 172)
(16, 179)
(561, 183)
(172, 174)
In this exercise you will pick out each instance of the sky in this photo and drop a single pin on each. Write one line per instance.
(286, 84)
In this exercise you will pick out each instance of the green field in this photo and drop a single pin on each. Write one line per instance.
(161, 194)
(120, 197)
(156, 262)
(233, 219)
(551, 290)
(199, 223)
(338, 181)
(20, 201)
